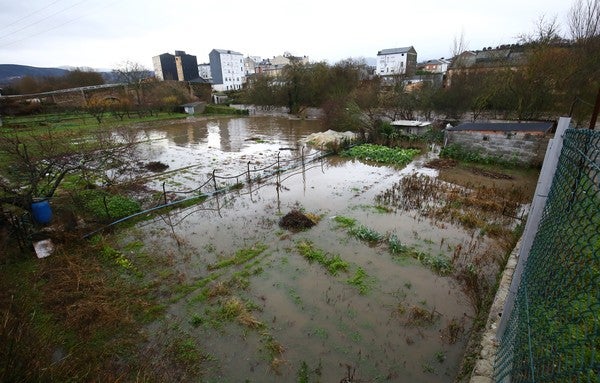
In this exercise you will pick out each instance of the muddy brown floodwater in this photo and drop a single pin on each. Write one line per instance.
(252, 302)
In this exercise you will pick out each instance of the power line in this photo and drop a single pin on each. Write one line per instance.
(2, 45)
(43, 19)
(29, 15)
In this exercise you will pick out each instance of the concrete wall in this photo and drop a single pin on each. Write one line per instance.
(526, 148)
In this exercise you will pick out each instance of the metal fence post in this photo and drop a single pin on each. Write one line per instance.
(535, 215)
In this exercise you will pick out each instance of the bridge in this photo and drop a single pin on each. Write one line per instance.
(79, 92)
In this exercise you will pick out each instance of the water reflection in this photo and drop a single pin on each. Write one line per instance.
(235, 134)
(214, 135)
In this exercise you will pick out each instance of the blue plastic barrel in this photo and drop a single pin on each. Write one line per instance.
(41, 211)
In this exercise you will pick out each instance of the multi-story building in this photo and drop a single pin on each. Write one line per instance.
(486, 61)
(179, 67)
(187, 66)
(250, 64)
(227, 69)
(164, 67)
(274, 67)
(396, 61)
(204, 72)
(436, 66)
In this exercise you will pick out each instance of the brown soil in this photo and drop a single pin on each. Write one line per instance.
(296, 221)
(156, 166)
(441, 163)
(491, 174)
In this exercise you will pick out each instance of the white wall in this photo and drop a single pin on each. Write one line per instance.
(391, 64)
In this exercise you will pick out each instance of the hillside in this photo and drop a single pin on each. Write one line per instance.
(9, 72)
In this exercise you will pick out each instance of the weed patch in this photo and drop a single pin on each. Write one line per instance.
(361, 280)
(366, 234)
(241, 256)
(333, 263)
(344, 222)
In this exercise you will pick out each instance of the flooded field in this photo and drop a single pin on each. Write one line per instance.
(372, 292)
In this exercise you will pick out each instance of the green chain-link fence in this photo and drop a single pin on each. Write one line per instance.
(553, 332)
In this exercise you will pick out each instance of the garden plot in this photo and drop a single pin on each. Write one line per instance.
(372, 292)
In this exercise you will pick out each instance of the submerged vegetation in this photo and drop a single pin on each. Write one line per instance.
(381, 154)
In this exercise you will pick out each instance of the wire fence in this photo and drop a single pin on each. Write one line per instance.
(217, 184)
(552, 333)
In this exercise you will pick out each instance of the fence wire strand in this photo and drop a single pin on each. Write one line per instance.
(553, 331)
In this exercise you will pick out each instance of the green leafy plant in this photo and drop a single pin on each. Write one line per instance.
(104, 205)
(381, 154)
(365, 234)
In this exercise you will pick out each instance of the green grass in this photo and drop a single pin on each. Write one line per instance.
(344, 222)
(241, 256)
(365, 234)
(332, 263)
(361, 280)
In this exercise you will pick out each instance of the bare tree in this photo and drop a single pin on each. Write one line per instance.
(584, 20)
(35, 165)
(459, 45)
(133, 74)
(547, 31)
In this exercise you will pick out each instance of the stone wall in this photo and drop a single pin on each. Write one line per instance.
(526, 148)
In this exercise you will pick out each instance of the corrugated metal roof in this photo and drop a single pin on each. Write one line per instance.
(393, 51)
(410, 123)
(543, 127)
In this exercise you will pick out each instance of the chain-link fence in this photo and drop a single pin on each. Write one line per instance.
(553, 332)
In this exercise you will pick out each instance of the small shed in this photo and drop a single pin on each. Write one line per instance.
(519, 142)
(411, 126)
(194, 107)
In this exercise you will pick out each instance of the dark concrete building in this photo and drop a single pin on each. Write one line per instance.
(179, 67)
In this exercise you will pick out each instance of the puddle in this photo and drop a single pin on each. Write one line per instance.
(409, 325)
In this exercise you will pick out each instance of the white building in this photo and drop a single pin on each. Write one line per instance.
(227, 69)
(250, 64)
(396, 61)
(204, 72)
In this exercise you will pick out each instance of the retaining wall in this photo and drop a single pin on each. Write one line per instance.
(525, 148)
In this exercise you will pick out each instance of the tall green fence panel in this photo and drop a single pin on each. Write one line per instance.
(553, 332)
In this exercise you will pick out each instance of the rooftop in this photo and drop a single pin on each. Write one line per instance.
(543, 127)
(393, 51)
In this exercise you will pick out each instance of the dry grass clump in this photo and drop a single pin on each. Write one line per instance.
(235, 308)
(68, 315)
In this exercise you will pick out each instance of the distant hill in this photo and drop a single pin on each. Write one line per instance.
(10, 72)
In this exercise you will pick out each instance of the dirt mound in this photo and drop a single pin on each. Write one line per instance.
(156, 166)
(296, 221)
(441, 163)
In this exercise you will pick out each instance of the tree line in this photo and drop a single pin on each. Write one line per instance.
(555, 74)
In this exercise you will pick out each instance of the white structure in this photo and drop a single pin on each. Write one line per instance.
(396, 61)
(204, 72)
(411, 126)
(250, 64)
(227, 69)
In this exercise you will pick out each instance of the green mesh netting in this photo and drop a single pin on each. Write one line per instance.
(552, 333)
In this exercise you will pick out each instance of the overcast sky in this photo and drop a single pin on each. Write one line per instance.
(105, 33)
